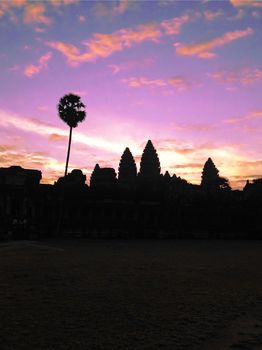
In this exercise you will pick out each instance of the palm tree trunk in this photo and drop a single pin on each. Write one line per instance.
(68, 150)
(61, 211)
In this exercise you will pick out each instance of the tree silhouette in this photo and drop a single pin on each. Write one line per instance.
(211, 179)
(224, 183)
(127, 168)
(72, 111)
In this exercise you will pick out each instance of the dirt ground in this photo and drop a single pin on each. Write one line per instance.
(133, 294)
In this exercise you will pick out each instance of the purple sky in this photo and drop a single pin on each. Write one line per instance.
(185, 74)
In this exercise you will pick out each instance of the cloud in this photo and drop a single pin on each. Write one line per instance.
(166, 2)
(202, 49)
(250, 170)
(187, 159)
(6, 148)
(42, 109)
(35, 13)
(59, 3)
(32, 160)
(57, 137)
(238, 182)
(189, 165)
(103, 45)
(111, 9)
(182, 157)
(32, 69)
(243, 76)
(174, 25)
(246, 3)
(137, 82)
(212, 15)
(178, 82)
(198, 127)
(39, 30)
(82, 19)
(183, 148)
(239, 15)
(121, 67)
(6, 6)
(256, 14)
(248, 163)
(254, 115)
(80, 93)
(37, 127)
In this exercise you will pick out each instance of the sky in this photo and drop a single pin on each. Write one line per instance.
(185, 74)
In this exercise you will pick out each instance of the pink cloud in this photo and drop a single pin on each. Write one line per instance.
(5, 148)
(193, 127)
(121, 7)
(57, 137)
(35, 13)
(80, 93)
(183, 148)
(121, 67)
(39, 30)
(256, 14)
(137, 82)
(189, 165)
(70, 51)
(32, 160)
(82, 19)
(239, 15)
(202, 49)
(243, 76)
(37, 127)
(187, 160)
(42, 108)
(178, 82)
(246, 3)
(233, 120)
(103, 45)
(174, 25)
(249, 163)
(32, 69)
(58, 3)
(6, 6)
(255, 114)
(110, 9)
(249, 117)
(212, 15)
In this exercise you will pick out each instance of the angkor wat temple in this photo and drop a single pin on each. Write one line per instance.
(131, 205)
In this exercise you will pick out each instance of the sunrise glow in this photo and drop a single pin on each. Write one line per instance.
(185, 74)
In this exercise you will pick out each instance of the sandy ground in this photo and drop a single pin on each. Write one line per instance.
(101, 294)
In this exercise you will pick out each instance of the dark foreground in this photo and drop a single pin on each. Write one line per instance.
(131, 295)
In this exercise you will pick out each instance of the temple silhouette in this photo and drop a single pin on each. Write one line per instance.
(130, 204)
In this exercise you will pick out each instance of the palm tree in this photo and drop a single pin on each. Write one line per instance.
(72, 111)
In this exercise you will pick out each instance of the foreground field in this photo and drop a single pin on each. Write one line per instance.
(131, 295)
